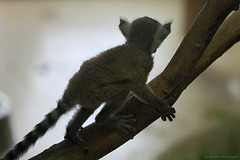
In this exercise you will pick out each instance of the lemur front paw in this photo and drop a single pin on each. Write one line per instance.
(168, 113)
(75, 138)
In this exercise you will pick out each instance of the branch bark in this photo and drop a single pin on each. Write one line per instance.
(191, 59)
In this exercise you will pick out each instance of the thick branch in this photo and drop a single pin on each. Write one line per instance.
(170, 83)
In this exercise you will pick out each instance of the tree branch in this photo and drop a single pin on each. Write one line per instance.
(188, 62)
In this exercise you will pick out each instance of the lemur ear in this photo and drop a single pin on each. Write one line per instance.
(162, 32)
(124, 27)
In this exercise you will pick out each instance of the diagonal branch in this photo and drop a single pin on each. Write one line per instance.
(227, 35)
(188, 62)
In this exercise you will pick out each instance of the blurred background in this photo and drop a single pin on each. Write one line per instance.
(43, 43)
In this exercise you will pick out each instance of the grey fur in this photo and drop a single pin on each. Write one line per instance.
(109, 77)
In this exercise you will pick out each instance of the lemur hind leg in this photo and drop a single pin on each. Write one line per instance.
(75, 124)
(108, 116)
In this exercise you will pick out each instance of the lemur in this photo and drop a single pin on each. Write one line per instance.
(108, 77)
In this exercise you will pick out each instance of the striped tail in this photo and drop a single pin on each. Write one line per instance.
(38, 131)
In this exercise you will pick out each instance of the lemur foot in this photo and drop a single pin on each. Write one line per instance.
(75, 138)
(122, 122)
(126, 122)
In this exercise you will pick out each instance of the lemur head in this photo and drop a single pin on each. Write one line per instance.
(145, 32)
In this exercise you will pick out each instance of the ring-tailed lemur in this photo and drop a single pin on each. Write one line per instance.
(108, 77)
